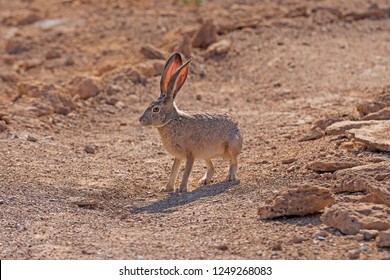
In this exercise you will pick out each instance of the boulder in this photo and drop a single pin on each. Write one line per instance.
(376, 137)
(300, 200)
(372, 179)
(331, 165)
(350, 218)
(343, 126)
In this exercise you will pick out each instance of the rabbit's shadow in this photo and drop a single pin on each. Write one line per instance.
(166, 205)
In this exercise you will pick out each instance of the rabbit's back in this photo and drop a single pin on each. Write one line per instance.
(204, 135)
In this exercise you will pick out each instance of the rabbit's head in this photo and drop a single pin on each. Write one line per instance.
(163, 109)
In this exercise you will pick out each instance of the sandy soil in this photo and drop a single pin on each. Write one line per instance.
(290, 64)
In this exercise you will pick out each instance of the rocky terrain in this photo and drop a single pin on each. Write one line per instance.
(308, 82)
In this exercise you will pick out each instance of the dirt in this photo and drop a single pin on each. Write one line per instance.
(80, 176)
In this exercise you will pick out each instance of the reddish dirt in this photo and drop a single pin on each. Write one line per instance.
(290, 64)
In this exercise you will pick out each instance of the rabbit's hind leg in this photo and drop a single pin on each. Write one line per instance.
(209, 173)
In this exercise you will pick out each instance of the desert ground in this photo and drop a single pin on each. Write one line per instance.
(307, 81)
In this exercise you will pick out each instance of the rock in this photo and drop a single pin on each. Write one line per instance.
(373, 179)
(369, 234)
(17, 46)
(222, 247)
(124, 74)
(89, 149)
(383, 114)
(50, 98)
(53, 54)
(28, 19)
(366, 107)
(32, 138)
(151, 68)
(331, 166)
(276, 246)
(288, 160)
(350, 218)
(219, 48)
(85, 87)
(30, 63)
(383, 239)
(353, 254)
(317, 133)
(375, 137)
(298, 239)
(185, 46)
(205, 36)
(343, 126)
(87, 203)
(298, 201)
(151, 52)
(382, 101)
(3, 127)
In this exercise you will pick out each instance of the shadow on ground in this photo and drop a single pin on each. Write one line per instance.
(175, 199)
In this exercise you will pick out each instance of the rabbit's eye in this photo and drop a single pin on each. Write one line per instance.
(156, 109)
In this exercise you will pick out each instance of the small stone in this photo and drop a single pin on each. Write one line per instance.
(223, 247)
(87, 203)
(31, 138)
(87, 252)
(322, 124)
(298, 239)
(348, 145)
(85, 87)
(53, 54)
(317, 133)
(383, 239)
(291, 169)
(151, 52)
(151, 68)
(353, 254)
(205, 36)
(218, 48)
(369, 234)
(1, 201)
(277, 246)
(289, 160)
(359, 237)
(3, 127)
(321, 235)
(17, 46)
(327, 176)
(89, 149)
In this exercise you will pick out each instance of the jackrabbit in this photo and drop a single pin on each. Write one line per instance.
(190, 136)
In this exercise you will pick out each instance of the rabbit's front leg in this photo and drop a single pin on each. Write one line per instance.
(172, 178)
(187, 172)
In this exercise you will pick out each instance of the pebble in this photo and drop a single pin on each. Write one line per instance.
(89, 149)
(353, 254)
(31, 138)
(277, 246)
(289, 160)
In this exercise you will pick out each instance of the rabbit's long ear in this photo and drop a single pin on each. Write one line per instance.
(172, 64)
(177, 80)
